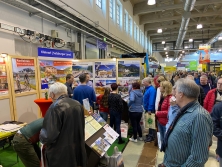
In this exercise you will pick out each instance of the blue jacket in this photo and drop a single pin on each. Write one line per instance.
(149, 98)
(197, 80)
(136, 101)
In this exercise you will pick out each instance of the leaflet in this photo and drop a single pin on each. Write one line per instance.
(99, 119)
(89, 118)
(111, 132)
(95, 124)
(89, 131)
(100, 146)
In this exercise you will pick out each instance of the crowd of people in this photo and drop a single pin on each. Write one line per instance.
(182, 107)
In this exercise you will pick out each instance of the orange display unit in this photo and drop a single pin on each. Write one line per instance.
(43, 105)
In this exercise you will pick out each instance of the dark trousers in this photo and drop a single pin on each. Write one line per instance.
(115, 120)
(135, 118)
(26, 151)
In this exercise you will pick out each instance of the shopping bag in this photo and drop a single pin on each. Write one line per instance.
(124, 130)
(150, 122)
(159, 140)
(116, 160)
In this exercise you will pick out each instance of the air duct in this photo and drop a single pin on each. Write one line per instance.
(188, 7)
(214, 39)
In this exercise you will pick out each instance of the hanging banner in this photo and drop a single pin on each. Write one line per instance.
(220, 66)
(54, 53)
(23, 75)
(204, 55)
(54, 71)
(3, 78)
(193, 65)
(105, 73)
(101, 45)
(170, 69)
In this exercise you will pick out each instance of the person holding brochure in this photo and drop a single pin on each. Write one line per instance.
(115, 104)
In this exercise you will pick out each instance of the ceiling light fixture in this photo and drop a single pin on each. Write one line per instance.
(183, 51)
(4, 55)
(220, 50)
(159, 30)
(166, 55)
(220, 38)
(151, 2)
(199, 26)
(186, 47)
(165, 48)
(166, 52)
(190, 40)
(163, 42)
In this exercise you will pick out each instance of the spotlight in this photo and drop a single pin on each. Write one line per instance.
(199, 26)
(183, 51)
(190, 40)
(166, 55)
(159, 30)
(4, 55)
(220, 38)
(166, 52)
(151, 2)
(163, 42)
(165, 48)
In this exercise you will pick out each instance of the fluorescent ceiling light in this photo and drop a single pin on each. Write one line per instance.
(166, 55)
(220, 50)
(159, 31)
(186, 47)
(165, 48)
(220, 38)
(166, 52)
(163, 42)
(183, 51)
(151, 2)
(199, 26)
(190, 40)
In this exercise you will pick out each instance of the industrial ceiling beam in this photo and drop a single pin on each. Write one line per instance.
(154, 33)
(155, 26)
(153, 18)
(142, 7)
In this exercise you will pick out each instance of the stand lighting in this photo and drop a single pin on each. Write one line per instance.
(151, 2)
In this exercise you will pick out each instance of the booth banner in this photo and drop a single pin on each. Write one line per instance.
(193, 65)
(129, 69)
(23, 75)
(204, 55)
(181, 65)
(170, 69)
(154, 66)
(105, 73)
(101, 45)
(3, 78)
(54, 71)
(220, 66)
(55, 53)
(79, 68)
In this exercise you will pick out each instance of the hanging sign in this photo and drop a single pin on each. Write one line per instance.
(204, 55)
(220, 66)
(170, 68)
(193, 65)
(101, 45)
(54, 53)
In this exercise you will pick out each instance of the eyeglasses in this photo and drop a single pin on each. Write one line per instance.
(219, 83)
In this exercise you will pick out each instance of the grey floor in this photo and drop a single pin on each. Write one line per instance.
(133, 151)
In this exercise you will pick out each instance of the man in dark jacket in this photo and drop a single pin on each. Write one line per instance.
(63, 130)
(69, 81)
(217, 130)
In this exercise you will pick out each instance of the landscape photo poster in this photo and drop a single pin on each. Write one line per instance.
(105, 73)
(54, 71)
(129, 69)
(23, 75)
(79, 68)
(3, 78)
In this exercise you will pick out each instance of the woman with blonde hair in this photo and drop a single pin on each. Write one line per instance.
(158, 94)
(164, 104)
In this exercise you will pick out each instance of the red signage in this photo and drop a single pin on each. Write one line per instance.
(24, 62)
(62, 63)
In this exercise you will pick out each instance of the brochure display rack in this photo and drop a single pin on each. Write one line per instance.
(99, 137)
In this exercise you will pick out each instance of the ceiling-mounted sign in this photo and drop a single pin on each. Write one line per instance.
(101, 45)
(193, 65)
(54, 53)
(181, 65)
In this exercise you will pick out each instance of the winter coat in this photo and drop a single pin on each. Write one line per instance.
(101, 107)
(63, 134)
(210, 99)
(136, 101)
(149, 99)
(162, 115)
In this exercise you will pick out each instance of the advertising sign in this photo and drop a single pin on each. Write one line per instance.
(54, 53)
(23, 75)
(3, 78)
(204, 54)
(193, 65)
(101, 45)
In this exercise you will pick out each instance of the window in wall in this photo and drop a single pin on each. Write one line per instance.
(141, 37)
(125, 22)
(135, 31)
(118, 14)
(138, 34)
(130, 26)
(99, 3)
(111, 8)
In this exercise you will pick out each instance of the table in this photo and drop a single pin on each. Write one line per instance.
(43, 104)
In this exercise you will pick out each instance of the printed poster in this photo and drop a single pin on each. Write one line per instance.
(129, 69)
(99, 119)
(54, 71)
(111, 132)
(79, 68)
(23, 75)
(3, 78)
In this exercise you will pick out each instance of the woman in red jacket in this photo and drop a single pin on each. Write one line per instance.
(164, 105)
(102, 100)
